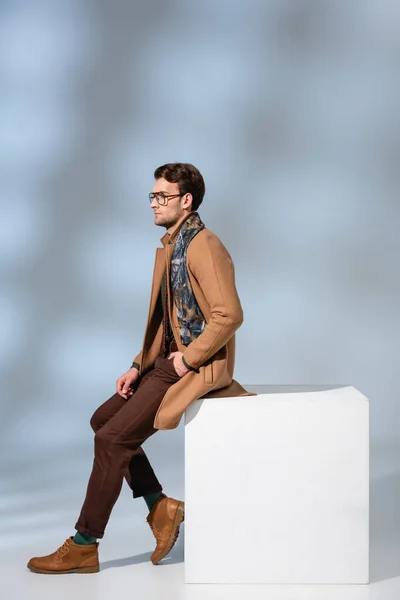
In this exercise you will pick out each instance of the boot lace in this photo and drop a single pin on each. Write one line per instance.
(64, 549)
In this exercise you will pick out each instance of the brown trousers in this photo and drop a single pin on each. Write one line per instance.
(120, 427)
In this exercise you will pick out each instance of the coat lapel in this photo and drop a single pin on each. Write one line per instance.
(159, 268)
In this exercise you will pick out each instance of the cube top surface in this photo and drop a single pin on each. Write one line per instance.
(292, 388)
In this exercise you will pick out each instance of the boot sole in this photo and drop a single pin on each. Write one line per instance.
(179, 517)
(94, 569)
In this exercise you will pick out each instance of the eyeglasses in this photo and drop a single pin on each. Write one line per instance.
(162, 198)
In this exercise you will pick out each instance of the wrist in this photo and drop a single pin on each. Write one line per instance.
(188, 367)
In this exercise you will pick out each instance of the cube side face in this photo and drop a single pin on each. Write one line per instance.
(277, 489)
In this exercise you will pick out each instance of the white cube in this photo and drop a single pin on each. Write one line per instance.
(277, 487)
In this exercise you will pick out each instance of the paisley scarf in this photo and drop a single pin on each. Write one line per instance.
(190, 318)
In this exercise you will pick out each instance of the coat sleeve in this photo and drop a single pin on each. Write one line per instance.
(210, 263)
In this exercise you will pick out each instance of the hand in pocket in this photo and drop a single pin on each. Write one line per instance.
(179, 367)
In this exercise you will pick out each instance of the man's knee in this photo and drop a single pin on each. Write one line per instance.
(95, 421)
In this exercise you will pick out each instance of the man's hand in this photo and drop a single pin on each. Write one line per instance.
(178, 364)
(125, 381)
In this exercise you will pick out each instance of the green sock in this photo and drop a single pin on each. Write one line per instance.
(151, 499)
(82, 538)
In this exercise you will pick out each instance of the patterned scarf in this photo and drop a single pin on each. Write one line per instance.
(190, 318)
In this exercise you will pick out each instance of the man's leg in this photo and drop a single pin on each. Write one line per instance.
(164, 516)
(115, 444)
(139, 475)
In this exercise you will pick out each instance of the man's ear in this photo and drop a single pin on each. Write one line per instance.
(188, 201)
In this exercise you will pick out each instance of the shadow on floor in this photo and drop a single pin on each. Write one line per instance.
(173, 558)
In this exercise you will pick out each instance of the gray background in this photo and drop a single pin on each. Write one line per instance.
(290, 109)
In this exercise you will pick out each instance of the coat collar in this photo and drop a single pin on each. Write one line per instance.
(169, 238)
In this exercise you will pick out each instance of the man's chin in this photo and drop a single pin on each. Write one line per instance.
(162, 222)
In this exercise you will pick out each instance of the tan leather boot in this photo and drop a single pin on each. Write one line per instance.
(164, 519)
(69, 558)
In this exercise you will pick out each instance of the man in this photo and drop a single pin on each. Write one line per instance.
(187, 353)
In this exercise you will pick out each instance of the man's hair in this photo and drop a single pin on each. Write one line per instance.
(188, 178)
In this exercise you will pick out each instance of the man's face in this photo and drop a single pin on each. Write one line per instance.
(169, 214)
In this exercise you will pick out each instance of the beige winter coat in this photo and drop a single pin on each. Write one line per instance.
(211, 274)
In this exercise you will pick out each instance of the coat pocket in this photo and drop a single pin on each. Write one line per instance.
(208, 373)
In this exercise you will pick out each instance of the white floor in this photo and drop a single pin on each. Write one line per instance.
(39, 499)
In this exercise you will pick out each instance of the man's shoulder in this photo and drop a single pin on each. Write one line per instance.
(206, 237)
(206, 243)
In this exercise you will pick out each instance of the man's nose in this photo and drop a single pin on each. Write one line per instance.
(153, 203)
